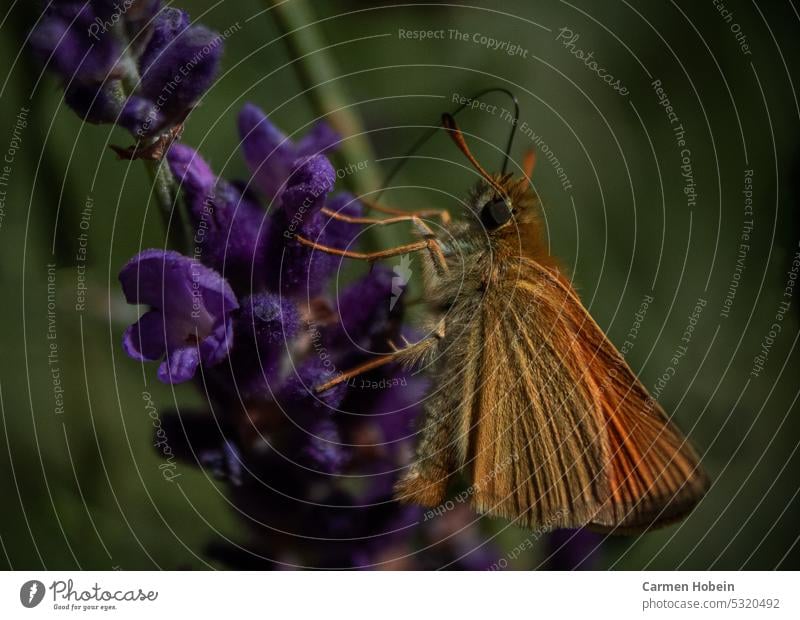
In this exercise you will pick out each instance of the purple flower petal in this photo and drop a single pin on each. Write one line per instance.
(321, 139)
(297, 393)
(179, 64)
(269, 154)
(215, 293)
(264, 329)
(270, 319)
(237, 246)
(146, 276)
(69, 40)
(215, 347)
(308, 186)
(230, 227)
(364, 312)
(191, 170)
(179, 366)
(301, 270)
(297, 270)
(272, 157)
(144, 340)
(395, 408)
(167, 26)
(190, 301)
(141, 116)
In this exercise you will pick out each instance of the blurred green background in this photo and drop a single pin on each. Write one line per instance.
(81, 487)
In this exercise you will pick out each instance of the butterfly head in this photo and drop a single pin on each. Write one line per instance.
(505, 201)
(497, 200)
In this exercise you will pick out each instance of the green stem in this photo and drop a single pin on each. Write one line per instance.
(164, 187)
(169, 201)
(318, 74)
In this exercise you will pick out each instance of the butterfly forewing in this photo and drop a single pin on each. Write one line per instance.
(584, 442)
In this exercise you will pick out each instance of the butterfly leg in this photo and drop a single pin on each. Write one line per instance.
(408, 248)
(352, 219)
(435, 249)
(425, 231)
(410, 353)
(429, 242)
(443, 214)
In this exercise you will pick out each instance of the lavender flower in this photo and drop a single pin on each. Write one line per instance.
(130, 63)
(295, 179)
(270, 155)
(312, 473)
(189, 322)
(230, 225)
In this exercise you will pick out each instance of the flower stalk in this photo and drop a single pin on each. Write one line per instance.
(164, 189)
(317, 72)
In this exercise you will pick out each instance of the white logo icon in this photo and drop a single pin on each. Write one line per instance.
(400, 280)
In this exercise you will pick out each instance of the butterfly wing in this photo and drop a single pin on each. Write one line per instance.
(560, 431)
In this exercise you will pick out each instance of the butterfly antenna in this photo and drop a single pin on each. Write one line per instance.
(431, 132)
(450, 125)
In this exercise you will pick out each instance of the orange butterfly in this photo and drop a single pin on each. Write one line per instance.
(531, 401)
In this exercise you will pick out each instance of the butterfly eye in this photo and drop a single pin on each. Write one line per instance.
(495, 213)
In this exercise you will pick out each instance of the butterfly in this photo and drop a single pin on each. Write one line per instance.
(532, 404)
